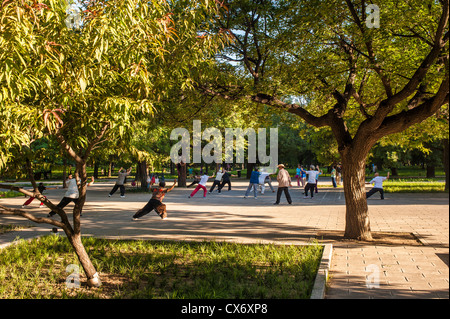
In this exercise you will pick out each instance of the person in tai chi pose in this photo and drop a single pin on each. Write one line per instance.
(72, 194)
(202, 184)
(312, 181)
(377, 182)
(120, 183)
(41, 189)
(254, 182)
(155, 203)
(284, 182)
(217, 180)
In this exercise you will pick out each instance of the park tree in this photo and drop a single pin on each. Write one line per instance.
(424, 144)
(362, 71)
(85, 77)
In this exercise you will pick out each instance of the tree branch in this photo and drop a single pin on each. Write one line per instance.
(401, 121)
(422, 70)
(67, 147)
(41, 220)
(43, 199)
(414, 35)
(96, 140)
(368, 43)
(291, 108)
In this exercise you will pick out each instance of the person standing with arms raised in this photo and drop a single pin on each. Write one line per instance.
(378, 185)
(120, 183)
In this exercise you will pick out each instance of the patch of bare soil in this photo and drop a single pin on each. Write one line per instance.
(111, 284)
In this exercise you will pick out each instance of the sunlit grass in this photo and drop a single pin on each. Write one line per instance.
(161, 269)
(9, 194)
(416, 186)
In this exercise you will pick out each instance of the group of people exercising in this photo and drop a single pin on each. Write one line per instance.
(257, 179)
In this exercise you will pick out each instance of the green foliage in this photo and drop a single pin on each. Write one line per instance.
(108, 74)
(303, 51)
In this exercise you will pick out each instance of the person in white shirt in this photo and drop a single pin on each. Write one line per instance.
(71, 194)
(263, 179)
(217, 180)
(312, 180)
(202, 184)
(377, 182)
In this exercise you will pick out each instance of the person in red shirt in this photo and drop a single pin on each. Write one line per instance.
(155, 203)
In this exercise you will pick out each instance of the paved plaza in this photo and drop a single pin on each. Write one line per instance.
(410, 269)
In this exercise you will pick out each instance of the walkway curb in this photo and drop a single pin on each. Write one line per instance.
(320, 282)
(18, 240)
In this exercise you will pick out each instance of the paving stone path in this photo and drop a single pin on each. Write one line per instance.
(400, 269)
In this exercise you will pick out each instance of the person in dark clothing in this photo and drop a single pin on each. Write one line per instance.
(254, 182)
(226, 180)
(196, 179)
(72, 194)
(155, 203)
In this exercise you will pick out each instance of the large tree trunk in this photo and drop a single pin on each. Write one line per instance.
(357, 225)
(141, 174)
(446, 162)
(182, 175)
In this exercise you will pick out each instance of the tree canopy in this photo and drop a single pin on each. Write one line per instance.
(321, 61)
(86, 85)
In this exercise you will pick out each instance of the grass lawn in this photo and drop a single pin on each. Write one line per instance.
(413, 186)
(9, 194)
(160, 270)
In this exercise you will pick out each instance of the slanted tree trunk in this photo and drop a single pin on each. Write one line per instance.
(75, 235)
(85, 261)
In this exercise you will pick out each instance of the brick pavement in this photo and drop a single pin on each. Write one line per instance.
(358, 270)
